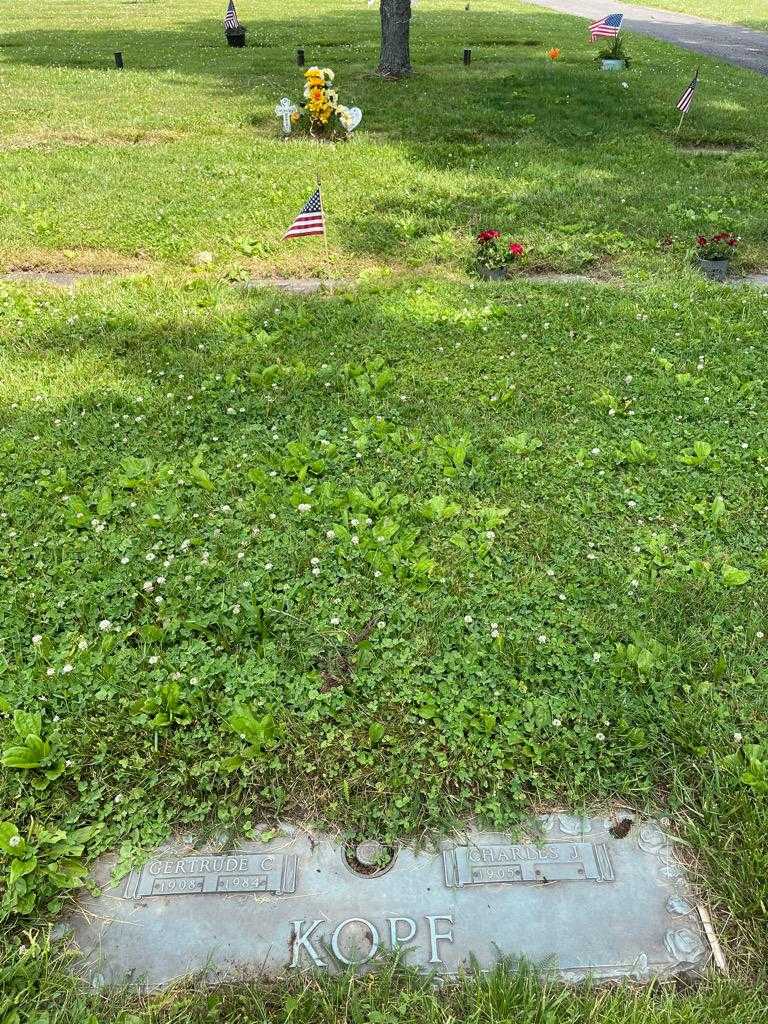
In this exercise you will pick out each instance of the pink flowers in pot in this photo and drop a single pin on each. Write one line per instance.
(718, 247)
(492, 254)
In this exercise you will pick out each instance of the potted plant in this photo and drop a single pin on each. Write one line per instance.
(490, 258)
(235, 36)
(715, 254)
(613, 57)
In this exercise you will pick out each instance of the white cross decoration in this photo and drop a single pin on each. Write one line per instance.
(284, 109)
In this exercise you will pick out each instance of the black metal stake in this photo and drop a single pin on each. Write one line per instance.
(300, 58)
(119, 60)
(467, 57)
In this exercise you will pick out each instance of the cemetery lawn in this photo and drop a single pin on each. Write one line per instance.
(421, 550)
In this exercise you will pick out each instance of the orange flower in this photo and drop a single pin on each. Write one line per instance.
(554, 53)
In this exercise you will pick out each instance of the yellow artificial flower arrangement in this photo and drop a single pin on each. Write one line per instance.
(321, 101)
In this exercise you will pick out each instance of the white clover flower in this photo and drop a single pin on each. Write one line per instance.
(304, 507)
(556, 722)
(37, 639)
(14, 841)
(599, 736)
(316, 570)
(66, 669)
(355, 539)
(329, 534)
(153, 660)
(50, 671)
(148, 586)
(314, 561)
(335, 620)
(596, 656)
(105, 625)
(268, 566)
(541, 638)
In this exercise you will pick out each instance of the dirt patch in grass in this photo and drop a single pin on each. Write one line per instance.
(68, 266)
(131, 137)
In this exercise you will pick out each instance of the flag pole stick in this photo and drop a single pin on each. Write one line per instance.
(325, 222)
(680, 125)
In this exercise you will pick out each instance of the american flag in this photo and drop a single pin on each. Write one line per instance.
(230, 18)
(685, 101)
(608, 26)
(311, 220)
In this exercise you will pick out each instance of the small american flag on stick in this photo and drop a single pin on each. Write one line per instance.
(230, 18)
(608, 26)
(311, 219)
(685, 101)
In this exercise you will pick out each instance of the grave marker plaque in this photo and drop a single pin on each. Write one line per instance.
(573, 894)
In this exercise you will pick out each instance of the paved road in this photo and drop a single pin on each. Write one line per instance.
(730, 43)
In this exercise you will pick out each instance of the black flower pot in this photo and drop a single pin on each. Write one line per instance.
(235, 36)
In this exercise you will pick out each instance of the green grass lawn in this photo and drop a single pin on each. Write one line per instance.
(459, 548)
(179, 153)
(752, 13)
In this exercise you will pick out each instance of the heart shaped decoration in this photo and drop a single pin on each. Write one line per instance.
(355, 117)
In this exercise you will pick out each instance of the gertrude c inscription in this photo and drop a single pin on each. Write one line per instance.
(525, 862)
(236, 873)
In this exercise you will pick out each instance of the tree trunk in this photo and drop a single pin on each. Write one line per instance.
(395, 56)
